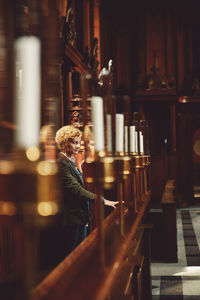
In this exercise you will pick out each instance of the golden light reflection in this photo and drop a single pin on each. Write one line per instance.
(7, 208)
(46, 168)
(196, 195)
(89, 160)
(33, 153)
(101, 153)
(47, 208)
(89, 179)
(6, 167)
(109, 179)
(109, 160)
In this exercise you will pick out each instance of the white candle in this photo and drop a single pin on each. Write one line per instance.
(126, 138)
(141, 143)
(98, 123)
(27, 91)
(109, 132)
(119, 137)
(136, 142)
(132, 139)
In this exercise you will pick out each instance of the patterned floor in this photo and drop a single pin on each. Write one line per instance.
(181, 281)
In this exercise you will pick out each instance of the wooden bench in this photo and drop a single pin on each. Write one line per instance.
(163, 219)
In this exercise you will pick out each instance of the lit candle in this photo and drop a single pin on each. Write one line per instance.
(109, 132)
(141, 143)
(27, 91)
(126, 139)
(132, 139)
(98, 123)
(119, 137)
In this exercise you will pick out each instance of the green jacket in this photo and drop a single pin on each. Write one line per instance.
(76, 199)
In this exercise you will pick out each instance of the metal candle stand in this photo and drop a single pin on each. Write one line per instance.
(148, 168)
(145, 166)
(104, 179)
(143, 175)
(135, 184)
(123, 180)
(32, 203)
(139, 177)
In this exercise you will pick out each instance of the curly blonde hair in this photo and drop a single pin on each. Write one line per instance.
(64, 134)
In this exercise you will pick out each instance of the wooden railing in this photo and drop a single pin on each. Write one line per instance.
(82, 275)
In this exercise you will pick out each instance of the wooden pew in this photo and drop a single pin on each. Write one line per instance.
(81, 275)
(164, 233)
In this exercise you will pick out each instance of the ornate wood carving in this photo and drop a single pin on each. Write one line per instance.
(69, 34)
(94, 55)
(91, 59)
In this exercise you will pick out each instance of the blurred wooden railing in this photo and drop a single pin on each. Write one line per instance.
(81, 275)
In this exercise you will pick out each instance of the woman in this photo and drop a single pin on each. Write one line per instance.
(76, 199)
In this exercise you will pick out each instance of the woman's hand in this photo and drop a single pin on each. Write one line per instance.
(110, 203)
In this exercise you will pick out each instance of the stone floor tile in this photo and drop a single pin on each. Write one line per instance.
(192, 250)
(191, 287)
(190, 241)
(193, 261)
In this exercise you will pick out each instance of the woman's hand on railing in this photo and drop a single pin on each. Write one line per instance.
(111, 203)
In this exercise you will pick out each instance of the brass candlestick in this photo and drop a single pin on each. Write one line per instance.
(148, 168)
(25, 187)
(103, 171)
(143, 174)
(11, 250)
(139, 178)
(145, 166)
(123, 178)
(134, 189)
(35, 200)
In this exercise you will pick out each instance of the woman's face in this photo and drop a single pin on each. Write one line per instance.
(73, 146)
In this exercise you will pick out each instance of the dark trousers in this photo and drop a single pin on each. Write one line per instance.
(74, 235)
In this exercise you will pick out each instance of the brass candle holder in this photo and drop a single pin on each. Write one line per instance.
(30, 197)
(135, 186)
(40, 177)
(102, 174)
(11, 250)
(148, 172)
(139, 175)
(144, 172)
(123, 179)
(25, 189)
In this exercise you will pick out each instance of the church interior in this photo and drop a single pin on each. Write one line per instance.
(127, 75)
